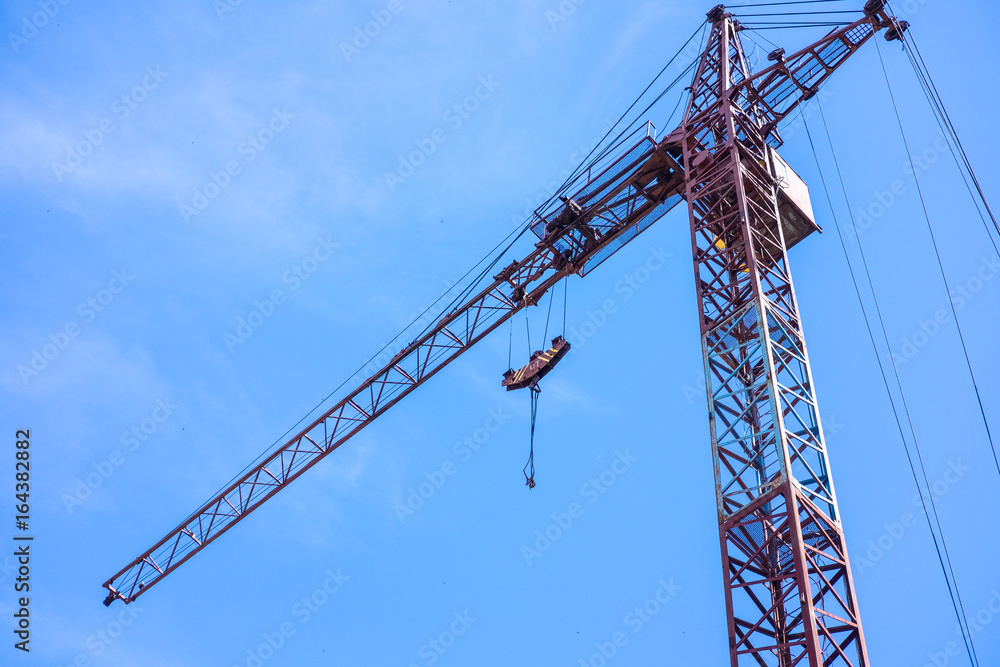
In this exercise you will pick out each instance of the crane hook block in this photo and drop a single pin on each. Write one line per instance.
(538, 367)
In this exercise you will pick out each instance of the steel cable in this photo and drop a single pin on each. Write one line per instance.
(940, 263)
(943, 556)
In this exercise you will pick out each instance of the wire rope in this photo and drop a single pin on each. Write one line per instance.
(940, 549)
(940, 263)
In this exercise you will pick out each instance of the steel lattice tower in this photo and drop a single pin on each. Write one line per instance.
(789, 591)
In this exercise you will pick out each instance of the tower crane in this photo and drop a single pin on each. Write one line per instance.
(789, 592)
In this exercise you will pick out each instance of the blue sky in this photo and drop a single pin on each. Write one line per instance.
(233, 158)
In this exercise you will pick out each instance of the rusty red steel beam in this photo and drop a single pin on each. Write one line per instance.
(618, 208)
(791, 80)
(789, 591)
(517, 286)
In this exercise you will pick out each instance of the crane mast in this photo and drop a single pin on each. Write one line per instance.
(790, 596)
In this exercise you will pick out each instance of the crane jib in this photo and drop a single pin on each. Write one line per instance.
(620, 204)
(619, 196)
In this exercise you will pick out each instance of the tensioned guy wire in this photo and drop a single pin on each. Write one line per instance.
(941, 550)
(940, 263)
(951, 138)
(587, 159)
